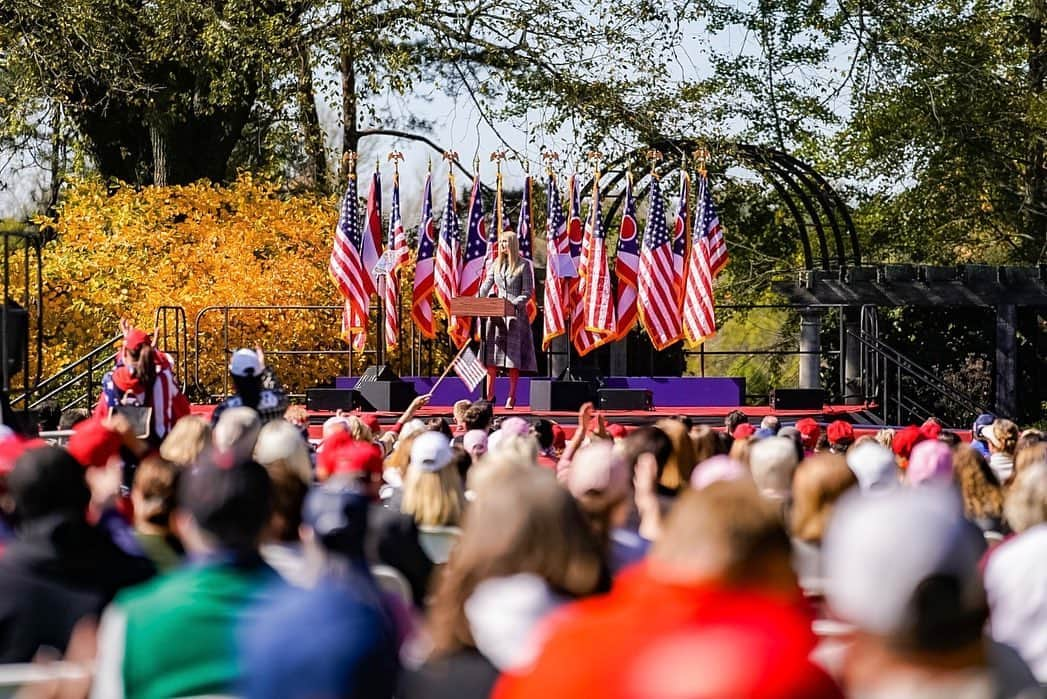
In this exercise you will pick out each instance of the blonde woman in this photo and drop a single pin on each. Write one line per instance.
(508, 343)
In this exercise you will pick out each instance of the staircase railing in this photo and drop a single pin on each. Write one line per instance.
(902, 390)
(76, 385)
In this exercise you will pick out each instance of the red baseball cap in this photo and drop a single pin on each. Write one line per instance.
(743, 431)
(840, 432)
(905, 439)
(931, 428)
(349, 457)
(371, 420)
(93, 444)
(559, 437)
(136, 338)
(809, 430)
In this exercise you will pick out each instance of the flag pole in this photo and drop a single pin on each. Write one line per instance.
(450, 365)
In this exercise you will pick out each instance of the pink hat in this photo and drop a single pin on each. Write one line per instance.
(475, 440)
(598, 468)
(717, 468)
(515, 427)
(931, 462)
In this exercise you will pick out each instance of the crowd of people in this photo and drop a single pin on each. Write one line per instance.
(518, 557)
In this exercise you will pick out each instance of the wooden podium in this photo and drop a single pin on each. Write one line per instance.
(479, 307)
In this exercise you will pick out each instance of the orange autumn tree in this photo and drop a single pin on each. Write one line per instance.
(124, 253)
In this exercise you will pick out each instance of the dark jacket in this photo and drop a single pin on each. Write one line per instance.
(464, 675)
(56, 572)
(335, 640)
(392, 539)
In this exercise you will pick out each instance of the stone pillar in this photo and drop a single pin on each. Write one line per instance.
(852, 358)
(1006, 360)
(810, 341)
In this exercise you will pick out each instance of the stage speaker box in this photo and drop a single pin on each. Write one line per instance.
(625, 399)
(379, 372)
(547, 394)
(331, 399)
(797, 398)
(385, 396)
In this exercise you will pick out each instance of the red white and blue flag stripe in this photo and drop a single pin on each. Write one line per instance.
(699, 306)
(346, 268)
(472, 274)
(424, 268)
(397, 244)
(659, 307)
(448, 255)
(596, 280)
(627, 263)
(558, 254)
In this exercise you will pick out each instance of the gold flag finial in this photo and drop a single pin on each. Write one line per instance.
(701, 156)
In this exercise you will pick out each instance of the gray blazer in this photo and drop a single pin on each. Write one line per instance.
(515, 288)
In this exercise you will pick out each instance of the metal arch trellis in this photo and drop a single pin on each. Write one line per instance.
(810, 199)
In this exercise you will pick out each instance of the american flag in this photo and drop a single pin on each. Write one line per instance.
(680, 233)
(469, 369)
(495, 231)
(717, 244)
(627, 263)
(347, 268)
(558, 253)
(473, 262)
(596, 281)
(372, 237)
(575, 235)
(699, 305)
(659, 306)
(523, 232)
(398, 246)
(448, 255)
(422, 308)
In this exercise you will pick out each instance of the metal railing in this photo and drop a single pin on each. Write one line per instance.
(902, 390)
(75, 385)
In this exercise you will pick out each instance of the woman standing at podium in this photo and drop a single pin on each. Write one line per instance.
(508, 342)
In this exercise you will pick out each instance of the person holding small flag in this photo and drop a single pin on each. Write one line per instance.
(508, 343)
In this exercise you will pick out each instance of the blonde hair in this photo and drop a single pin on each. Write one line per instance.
(512, 262)
(817, 484)
(521, 448)
(1025, 505)
(433, 499)
(492, 469)
(281, 444)
(1003, 436)
(358, 430)
(885, 437)
(186, 440)
(400, 459)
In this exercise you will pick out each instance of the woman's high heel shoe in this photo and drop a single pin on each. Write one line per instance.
(510, 403)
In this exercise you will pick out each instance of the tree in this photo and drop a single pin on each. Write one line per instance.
(159, 92)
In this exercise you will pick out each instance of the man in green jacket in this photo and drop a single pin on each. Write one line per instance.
(176, 635)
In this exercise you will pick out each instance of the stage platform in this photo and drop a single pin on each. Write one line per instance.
(703, 415)
(671, 392)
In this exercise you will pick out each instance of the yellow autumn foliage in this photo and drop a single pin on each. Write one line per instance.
(128, 252)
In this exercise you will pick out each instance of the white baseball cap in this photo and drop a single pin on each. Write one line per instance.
(245, 362)
(430, 452)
